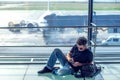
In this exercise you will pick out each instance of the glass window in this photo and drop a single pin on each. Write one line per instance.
(109, 40)
(115, 30)
(106, 33)
(48, 12)
(115, 39)
(40, 36)
(106, 12)
(25, 22)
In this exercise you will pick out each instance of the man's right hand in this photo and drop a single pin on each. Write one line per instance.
(71, 60)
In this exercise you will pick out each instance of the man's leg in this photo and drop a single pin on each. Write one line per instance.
(56, 54)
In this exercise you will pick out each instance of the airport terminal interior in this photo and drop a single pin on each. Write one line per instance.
(31, 29)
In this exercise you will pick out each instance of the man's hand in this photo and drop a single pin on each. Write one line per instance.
(71, 60)
(68, 57)
(76, 64)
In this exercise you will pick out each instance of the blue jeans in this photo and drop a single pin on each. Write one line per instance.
(66, 68)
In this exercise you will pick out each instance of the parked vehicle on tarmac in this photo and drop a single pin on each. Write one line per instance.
(18, 25)
(112, 40)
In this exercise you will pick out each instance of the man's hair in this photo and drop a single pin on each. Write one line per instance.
(82, 41)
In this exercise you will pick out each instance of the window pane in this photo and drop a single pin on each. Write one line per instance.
(106, 12)
(26, 21)
(106, 36)
(45, 13)
(40, 36)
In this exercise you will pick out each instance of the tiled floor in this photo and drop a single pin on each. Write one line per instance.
(29, 72)
(111, 72)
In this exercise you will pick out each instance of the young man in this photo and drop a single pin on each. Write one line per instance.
(78, 56)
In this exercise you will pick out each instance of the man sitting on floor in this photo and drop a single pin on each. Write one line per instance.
(78, 56)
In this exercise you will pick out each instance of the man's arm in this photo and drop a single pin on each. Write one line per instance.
(76, 64)
(69, 57)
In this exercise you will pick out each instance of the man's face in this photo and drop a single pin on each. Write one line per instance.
(81, 47)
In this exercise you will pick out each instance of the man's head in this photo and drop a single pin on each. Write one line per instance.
(81, 43)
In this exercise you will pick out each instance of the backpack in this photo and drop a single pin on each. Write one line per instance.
(88, 70)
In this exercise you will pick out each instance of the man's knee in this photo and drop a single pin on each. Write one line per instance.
(57, 51)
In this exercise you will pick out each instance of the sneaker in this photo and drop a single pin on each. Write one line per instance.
(44, 70)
